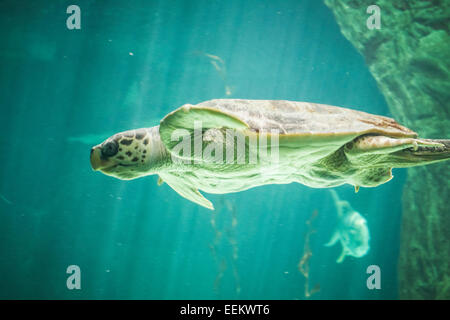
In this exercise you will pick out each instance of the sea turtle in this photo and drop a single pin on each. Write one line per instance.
(230, 145)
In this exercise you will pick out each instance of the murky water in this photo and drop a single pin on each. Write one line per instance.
(63, 91)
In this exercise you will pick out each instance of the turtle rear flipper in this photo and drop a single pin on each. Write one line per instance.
(376, 144)
(438, 150)
(375, 151)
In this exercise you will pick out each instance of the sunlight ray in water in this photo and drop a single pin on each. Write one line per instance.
(344, 97)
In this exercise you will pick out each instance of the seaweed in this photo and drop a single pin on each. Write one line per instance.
(220, 259)
(303, 265)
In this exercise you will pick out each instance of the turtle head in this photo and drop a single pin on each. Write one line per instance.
(127, 155)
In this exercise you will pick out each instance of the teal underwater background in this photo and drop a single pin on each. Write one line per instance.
(63, 91)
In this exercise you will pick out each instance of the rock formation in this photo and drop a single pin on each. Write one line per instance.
(409, 56)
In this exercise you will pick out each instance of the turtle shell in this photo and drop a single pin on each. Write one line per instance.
(304, 118)
(306, 130)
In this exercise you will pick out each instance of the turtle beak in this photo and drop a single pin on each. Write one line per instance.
(96, 161)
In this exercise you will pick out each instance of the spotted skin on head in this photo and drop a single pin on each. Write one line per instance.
(123, 155)
(131, 146)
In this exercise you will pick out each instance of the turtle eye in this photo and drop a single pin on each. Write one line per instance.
(109, 149)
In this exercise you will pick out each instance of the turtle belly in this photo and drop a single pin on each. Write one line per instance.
(235, 179)
(312, 170)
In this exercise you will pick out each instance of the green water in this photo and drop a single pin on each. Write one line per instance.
(63, 91)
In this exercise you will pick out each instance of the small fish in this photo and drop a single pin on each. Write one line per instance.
(5, 200)
(219, 65)
(93, 138)
(213, 57)
(216, 66)
(351, 230)
(89, 138)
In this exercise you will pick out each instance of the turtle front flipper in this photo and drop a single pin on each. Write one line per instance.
(187, 191)
(188, 119)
